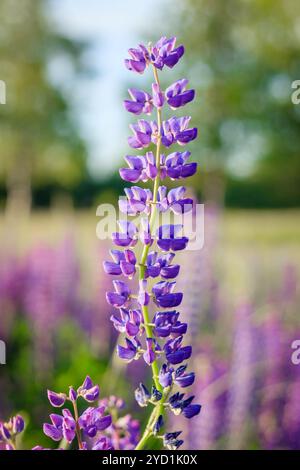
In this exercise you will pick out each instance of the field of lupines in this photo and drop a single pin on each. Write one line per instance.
(61, 344)
(242, 314)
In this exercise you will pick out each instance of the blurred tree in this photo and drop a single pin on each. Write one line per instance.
(40, 143)
(243, 56)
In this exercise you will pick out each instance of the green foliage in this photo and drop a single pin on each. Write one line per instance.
(39, 139)
(244, 56)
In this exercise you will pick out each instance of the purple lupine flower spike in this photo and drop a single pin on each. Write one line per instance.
(160, 338)
(69, 426)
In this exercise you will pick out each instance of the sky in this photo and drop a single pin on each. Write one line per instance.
(111, 27)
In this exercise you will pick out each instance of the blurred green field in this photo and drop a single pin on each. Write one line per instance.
(251, 243)
(242, 227)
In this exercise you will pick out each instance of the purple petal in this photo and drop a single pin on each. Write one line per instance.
(130, 175)
(52, 432)
(191, 410)
(182, 99)
(104, 422)
(92, 394)
(115, 300)
(169, 300)
(126, 354)
(180, 355)
(185, 380)
(56, 399)
(112, 268)
(170, 272)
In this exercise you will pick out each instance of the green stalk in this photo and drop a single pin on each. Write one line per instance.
(159, 408)
(78, 432)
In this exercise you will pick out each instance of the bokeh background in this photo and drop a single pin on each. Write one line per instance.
(63, 134)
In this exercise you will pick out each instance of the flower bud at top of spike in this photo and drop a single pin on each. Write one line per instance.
(72, 394)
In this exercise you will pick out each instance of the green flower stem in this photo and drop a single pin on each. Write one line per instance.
(159, 408)
(78, 432)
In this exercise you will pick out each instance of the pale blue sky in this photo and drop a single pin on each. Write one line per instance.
(112, 27)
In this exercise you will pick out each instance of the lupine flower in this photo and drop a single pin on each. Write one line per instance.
(174, 200)
(104, 443)
(129, 322)
(160, 265)
(175, 352)
(124, 431)
(120, 297)
(159, 423)
(141, 168)
(139, 59)
(177, 95)
(141, 102)
(131, 351)
(167, 323)
(164, 295)
(9, 431)
(127, 236)
(171, 442)
(176, 166)
(62, 426)
(137, 201)
(123, 263)
(168, 239)
(143, 334)
(176, 130)
(93, 420)
(162, 53)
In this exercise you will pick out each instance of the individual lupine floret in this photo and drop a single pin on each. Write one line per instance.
(177, 95)
(174, 200)
(176, 130)
(141, 102)
(137, 200)
(139, 60)
(175, 352)
(123, 263)
(166, 323)
(181, 405)
(131, 352)
(160, 265)
(176, 166)
(120, 297)
(141, 168)
(94, 420)
(164, 295)
(130, 322)
(163, 53)
(127, 236)
(168, 238)
(170, 440)
(62, 426)
(9, 431)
